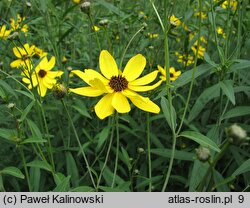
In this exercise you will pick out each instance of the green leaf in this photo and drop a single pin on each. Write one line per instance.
(82, 189)
(179, 155)
(228, 90)
(186, 77)
(81, 108)
(8, 88)
(40, 164)
(245, 167)
(33, 140)
(8, 134)
(35, 177)
(63, 186)
(72, 169)
(111, 7)
(109, 189)
(201, 139)
(198, 172)
(27, 110)
(167, 111)
(29, 95)
(34, 129)
(220, 182)
(241, 64)
(103, 136)
(13, 171)
(236, 112)
(207, 95)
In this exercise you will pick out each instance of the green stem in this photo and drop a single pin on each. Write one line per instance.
(79, 143)
(92, 28)
(149, 154)
(25, 167)
(107, 155)
(117, 148)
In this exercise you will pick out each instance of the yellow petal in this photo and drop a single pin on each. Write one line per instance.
(107, 64)
(104, 108)
(16, 63)
(41, 89)
(177, 74)
(51, 63)
(26, 80)
(49, 83)
(87, 91)
(146, 79)
(97, 83)
(54, 74)
(18, 52)
(120, 103)
(141, 102)
(134, 67)
(144, 88)
(89, 74)
(161, 70)
(172, 70)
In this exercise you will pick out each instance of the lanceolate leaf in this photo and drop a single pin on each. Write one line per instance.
(228, 90)
(169, 113)
(13, 171)
(245, 167)
(237, 111)
(201, 139)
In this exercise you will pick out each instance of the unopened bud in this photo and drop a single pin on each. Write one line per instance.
(103, 22)
(136, 172)
(85, 7)
(203, 154)
(59, 91)
(13, 35)
(236, 134)
(140, 150)
(11, 105)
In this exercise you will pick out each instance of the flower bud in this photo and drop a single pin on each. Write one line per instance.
(59, 91)
(104, 22)
(203, 154)
(236, 134)
(11, 106)
(85, 7)
(140, 150)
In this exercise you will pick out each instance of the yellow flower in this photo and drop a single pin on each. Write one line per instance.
(174, 21)
(95, 28)
(173, 74)
(41, 77)
(3, 32)
(153, 35)
(39, 52)
(233, 5)
(185, 59)
(17, 24)
(23, 54)
(118, 86)
(77, 1)
(220, 31)
(199, 50)
(201, 14)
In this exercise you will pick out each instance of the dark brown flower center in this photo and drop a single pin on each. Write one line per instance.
(118, 83)
(171, 75)
(42, 73)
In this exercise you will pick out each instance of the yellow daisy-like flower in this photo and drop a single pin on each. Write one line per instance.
(174, 21)
(95, 28)
(23, 54)
(199, 50)
(173, 74)
(118, 86)
(77, 1)
(233, 4)
(185, 59)
(3, 32)
(41, 77)
(17, 24)
(39, 52)
(201, 14)
(153, 35)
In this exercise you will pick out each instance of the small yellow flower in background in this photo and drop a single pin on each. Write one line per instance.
(174, 21)
(23, 54)
(64, 59)
(233, 4)
(142, 15)
(201, 14)
(118, 86)
(41, 77)
(153, 35)
(39, 52)
(18, 24)
(95, 28)
(199, 50)
(77, 1)
(220, 31)
(185, 59)
(3, 32)
(173, 74)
